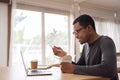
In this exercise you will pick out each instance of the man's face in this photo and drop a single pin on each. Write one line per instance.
(82, 34)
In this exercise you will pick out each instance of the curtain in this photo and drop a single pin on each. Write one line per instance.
(109, 28)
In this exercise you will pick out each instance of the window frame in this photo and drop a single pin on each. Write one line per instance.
(43, 11)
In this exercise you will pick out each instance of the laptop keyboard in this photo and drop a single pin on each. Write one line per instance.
(39, 72)
(36, 71)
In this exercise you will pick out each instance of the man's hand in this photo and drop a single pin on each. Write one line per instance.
(58, 51)
(67, 67)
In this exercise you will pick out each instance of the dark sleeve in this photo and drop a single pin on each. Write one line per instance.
(107, 67)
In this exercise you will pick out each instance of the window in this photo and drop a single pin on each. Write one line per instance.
(56, 33)
(35, 31)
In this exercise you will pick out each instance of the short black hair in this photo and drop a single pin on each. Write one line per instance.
(85, 20)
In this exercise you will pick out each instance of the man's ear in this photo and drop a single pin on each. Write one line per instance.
(89, 28)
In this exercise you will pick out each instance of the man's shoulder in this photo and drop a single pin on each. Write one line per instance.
(105, 38)
(102, 40)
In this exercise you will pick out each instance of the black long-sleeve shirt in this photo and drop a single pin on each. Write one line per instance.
(98, 59)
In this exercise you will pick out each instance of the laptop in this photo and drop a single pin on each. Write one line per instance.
(42, 69)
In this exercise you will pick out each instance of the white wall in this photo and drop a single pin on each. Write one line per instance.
(3, 34)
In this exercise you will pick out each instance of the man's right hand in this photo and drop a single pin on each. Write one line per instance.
(58, 51)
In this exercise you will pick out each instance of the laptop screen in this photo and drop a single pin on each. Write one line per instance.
(42, 69)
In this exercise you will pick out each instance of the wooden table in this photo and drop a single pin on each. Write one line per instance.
(7, 73)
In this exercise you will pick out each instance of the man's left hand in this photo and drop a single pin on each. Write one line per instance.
(67, 67)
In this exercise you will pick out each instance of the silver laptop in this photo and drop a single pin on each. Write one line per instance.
(42, 69)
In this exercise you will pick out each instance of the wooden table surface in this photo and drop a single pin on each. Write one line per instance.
(12, 73)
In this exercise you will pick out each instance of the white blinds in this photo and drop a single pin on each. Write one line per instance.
(110, 28)
(41, 9)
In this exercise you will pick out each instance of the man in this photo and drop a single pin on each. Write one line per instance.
(98, 57)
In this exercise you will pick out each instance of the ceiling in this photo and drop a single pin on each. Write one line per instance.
(111, 4)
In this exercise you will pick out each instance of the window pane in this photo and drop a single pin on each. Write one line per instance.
(56, 33)
(27, 35)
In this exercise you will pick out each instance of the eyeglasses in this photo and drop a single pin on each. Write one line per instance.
(77, 31)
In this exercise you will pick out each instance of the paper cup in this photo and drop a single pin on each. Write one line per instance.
(34, 64)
